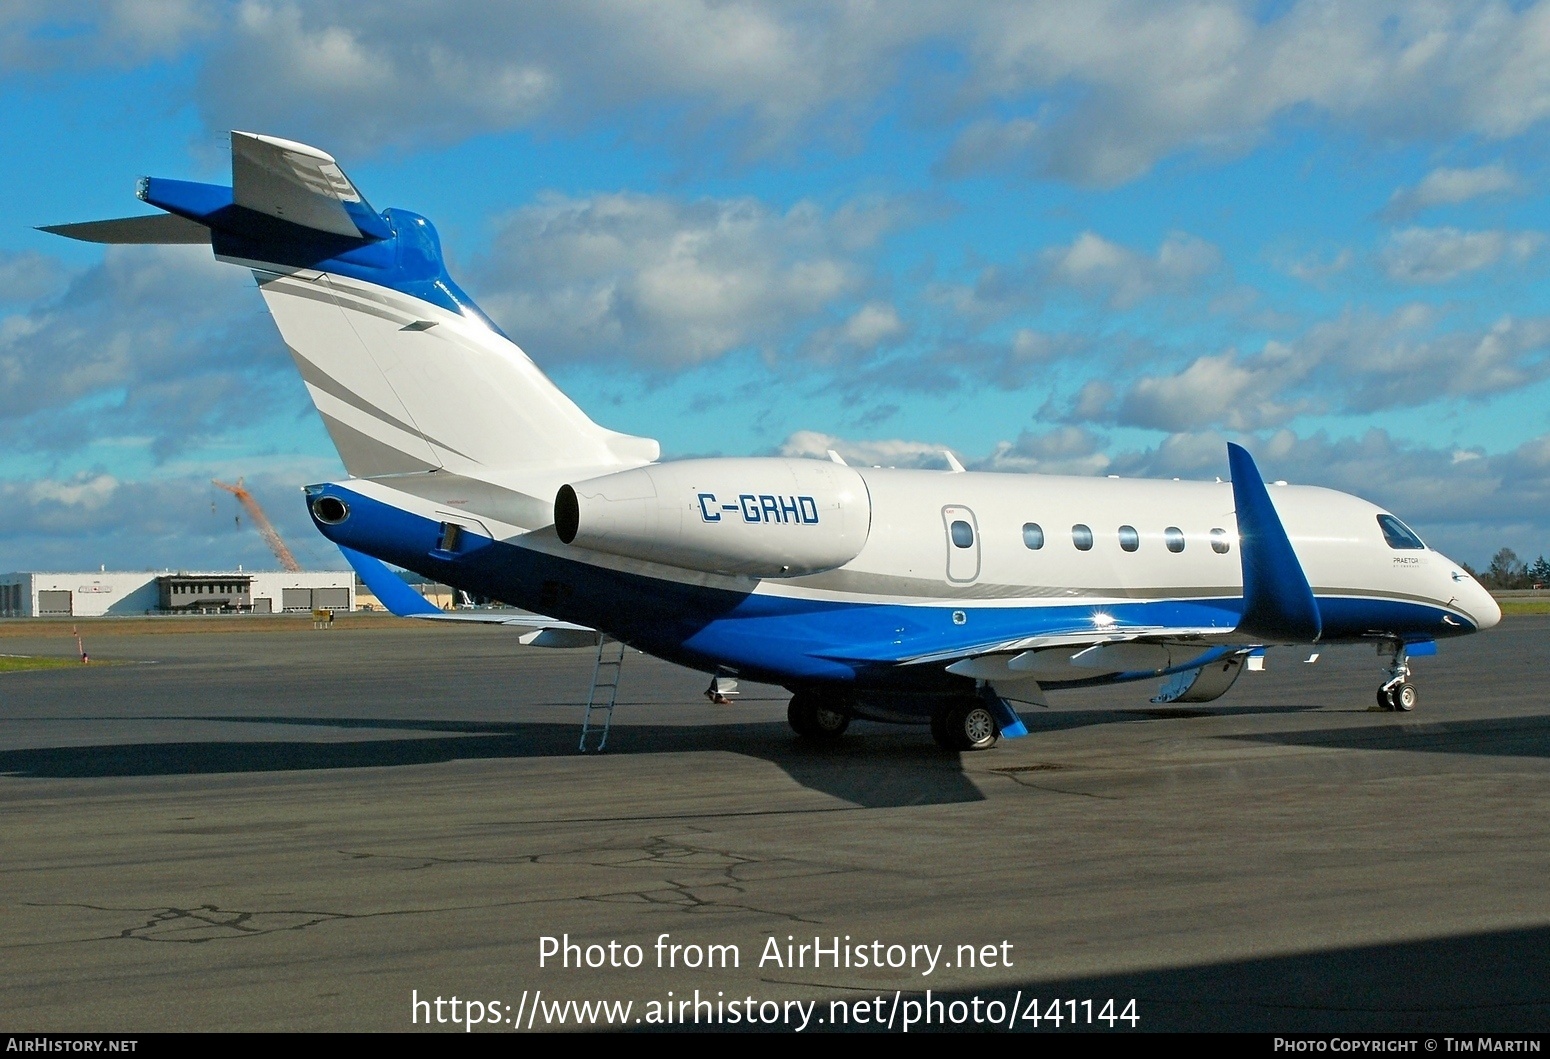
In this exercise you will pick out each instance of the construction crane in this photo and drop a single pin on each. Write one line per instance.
(265, 527)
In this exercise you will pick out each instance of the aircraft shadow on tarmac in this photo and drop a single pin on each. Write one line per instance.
(880, 768)
(1490, 736)
(1488, 982)
(875, 771)
(1055, 720)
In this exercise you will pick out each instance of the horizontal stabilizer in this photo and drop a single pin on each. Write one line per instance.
(1278, 603)
(300, 184)
(156, 228)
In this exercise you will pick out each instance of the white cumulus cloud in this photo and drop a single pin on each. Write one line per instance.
(1448, 187)
(1438, 255)
(1123, 276)
(1091, 91)
(669, 283)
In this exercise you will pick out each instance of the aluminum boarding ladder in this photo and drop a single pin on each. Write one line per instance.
(605, 678)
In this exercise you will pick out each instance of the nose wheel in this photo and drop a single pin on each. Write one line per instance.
(1401, 698)
(1397, 693)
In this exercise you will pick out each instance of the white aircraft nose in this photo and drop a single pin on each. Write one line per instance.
(1479, 604)
(1488, 613)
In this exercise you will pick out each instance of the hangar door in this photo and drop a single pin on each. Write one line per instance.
(54, 603)
(296, 599)
(331, 598)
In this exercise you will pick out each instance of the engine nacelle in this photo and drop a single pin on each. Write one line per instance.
(762, 517)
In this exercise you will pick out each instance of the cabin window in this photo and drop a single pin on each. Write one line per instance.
(1219, 542)
(1082, 537)
(1399, 535)
(1033, 535)
(963, 534)
(1173, 537)
(1129, 539)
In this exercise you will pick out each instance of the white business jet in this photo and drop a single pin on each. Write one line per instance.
(913, 596)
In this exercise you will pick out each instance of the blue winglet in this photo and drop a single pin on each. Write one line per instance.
(1010, 724)
(1278, 603)
(387, 586)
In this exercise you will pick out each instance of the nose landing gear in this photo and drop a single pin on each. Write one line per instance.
(1397, 693)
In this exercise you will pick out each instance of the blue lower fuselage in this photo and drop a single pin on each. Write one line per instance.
(805, 642)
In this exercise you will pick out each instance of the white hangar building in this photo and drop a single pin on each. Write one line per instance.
(109, 592)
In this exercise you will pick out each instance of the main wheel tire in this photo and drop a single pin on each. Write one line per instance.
(939, 732)
(1405, 697)
(812, 718)
(971, 726)
(1385, 700)
(797, 717)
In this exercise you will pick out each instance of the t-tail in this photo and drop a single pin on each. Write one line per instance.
(407, 372)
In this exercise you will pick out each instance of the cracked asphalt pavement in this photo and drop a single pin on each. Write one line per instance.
(295, 829)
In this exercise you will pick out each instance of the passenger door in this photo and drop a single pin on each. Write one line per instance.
(963, 544)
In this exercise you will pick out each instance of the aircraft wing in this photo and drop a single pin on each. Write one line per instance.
(405, 602)
(1087, 637)
(540, 631)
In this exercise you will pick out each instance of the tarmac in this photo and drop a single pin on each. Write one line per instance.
(262, 826)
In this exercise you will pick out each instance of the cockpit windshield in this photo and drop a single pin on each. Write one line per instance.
(1398, 534)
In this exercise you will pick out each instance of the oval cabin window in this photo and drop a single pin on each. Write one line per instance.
(1219, 542)
(1173, 537)
(1129, 539)
(963, 534)
(1082, 537)
(1033, 535)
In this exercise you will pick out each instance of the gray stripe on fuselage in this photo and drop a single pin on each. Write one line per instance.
(316, 376)
(364, 455)
(860, 582)
(857, 582)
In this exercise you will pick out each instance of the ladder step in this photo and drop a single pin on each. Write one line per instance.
(606, 673)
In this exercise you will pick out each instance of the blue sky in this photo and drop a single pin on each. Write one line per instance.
(1088, 237)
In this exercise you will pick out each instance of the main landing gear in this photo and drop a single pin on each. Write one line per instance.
(965, 726)
(1397, 693)
(812, 717)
